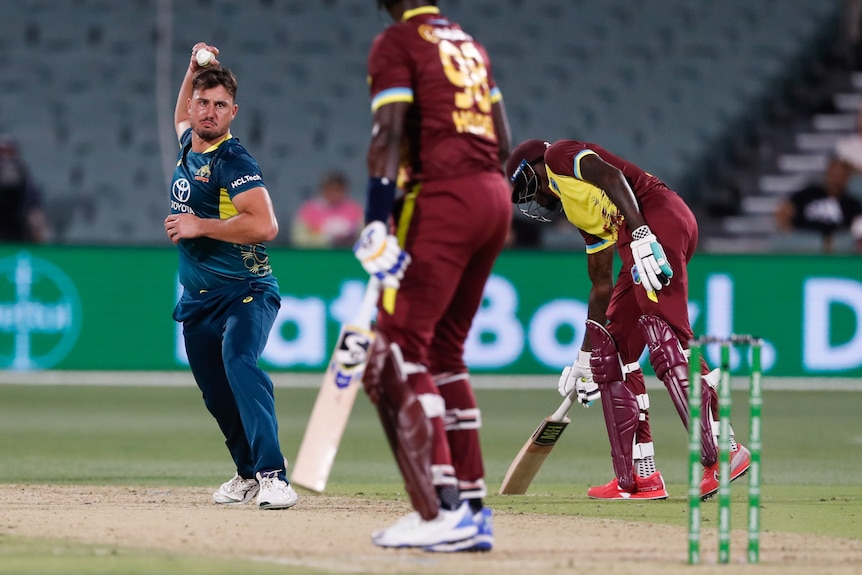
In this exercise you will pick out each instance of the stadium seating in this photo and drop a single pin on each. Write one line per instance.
(87, 90)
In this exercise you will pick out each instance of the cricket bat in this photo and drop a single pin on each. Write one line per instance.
(335, 399)
(531, 457)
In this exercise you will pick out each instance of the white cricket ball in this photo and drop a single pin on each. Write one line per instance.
(204, 57)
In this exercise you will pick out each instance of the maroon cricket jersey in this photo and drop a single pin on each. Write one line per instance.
(431, 63)
(586, 206)
(642, 183)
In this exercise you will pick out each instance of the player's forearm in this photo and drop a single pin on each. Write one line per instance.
(384, 149)
(624, 199)
(612, 181)
(243, 228)
(597, 304)
(181, 110)
(383, 162)
(601, 272)
(504, 132)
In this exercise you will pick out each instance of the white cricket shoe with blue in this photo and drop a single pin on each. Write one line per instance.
(275, 493)
(237, 491)
(413, 531)
(412, 518)
(483, 540)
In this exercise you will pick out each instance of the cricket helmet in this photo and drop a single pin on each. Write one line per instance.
(525, 181)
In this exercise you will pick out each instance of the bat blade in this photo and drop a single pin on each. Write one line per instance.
(335, 400)
(526, 464)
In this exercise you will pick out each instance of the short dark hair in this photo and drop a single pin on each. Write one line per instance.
(334, 178)
(212, 77)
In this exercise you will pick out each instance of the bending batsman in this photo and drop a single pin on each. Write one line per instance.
(614, 203)
(439, 121)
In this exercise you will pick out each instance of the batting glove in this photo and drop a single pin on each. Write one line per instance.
(651, 264)
(380, 255)
(579, 376)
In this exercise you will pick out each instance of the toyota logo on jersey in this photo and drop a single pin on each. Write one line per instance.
(181, 190)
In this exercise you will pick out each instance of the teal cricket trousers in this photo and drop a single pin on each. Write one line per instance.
(225, 331)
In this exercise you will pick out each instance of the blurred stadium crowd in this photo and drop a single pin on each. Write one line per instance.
(734, 103)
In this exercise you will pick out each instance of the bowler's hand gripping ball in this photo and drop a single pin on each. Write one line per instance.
(203, 57)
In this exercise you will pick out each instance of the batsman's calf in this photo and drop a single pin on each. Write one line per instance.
(405, 424)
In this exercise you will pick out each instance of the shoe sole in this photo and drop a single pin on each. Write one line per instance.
(632, 498)
(651, 498)
(385, 545)
(640, 496)
(269, 506)
(461, 534)
(476, 544)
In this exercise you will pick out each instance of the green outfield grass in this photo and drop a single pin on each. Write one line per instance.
(50, 557)
(115, 435)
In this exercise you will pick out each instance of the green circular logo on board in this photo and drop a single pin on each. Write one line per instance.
(40, 313)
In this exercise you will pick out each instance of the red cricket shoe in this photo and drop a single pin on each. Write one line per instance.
(647, 488)
(740, 461)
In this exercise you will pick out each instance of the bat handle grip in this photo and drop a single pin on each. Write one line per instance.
(369, 303)
(564, 407)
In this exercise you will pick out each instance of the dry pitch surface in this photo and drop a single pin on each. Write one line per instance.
(332, 533)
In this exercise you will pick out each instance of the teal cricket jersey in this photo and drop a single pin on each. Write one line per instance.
(204, 184)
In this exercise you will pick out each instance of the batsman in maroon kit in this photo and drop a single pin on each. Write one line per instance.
(616, 204)
(440, 137)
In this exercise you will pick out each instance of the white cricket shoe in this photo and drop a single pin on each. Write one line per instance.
(411, 519)
(275, 493)
(413, 531)
(237, 491)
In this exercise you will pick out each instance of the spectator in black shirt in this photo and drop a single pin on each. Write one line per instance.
(824, 207)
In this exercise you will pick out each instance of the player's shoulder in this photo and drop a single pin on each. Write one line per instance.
(431, 28)
(232, 149)
(185, 138)
(394, 39)
(564, 150)
(231, 156)
(396, 32)
(566, 144)
(567, 149)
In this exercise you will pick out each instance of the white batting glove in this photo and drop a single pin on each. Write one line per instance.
(651, 264)
(579, 376)
(380, 255)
